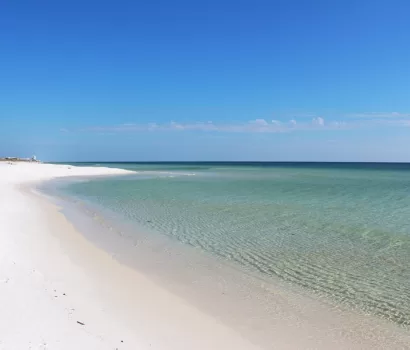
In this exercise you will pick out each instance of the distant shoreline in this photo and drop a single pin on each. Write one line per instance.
(19, 160)
(218, 162)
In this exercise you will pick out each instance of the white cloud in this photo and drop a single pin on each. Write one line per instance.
(262, 125)
(318, 121)
(261, 122)
(176, 126)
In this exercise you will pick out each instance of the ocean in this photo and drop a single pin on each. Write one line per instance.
(338, 231)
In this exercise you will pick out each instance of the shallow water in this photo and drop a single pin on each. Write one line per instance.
(339, 231)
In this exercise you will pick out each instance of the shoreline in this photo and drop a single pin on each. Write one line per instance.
(293, 321)
(61, 292)
(266, 312)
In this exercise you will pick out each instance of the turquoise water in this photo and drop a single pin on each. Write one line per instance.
(341, 231)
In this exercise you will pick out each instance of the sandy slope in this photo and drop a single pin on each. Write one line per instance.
(51, 279)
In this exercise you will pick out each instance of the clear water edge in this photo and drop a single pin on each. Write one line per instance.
(341, 234)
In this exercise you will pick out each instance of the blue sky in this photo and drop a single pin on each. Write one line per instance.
(205, 80)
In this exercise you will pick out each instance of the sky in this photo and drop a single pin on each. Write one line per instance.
(183, 80)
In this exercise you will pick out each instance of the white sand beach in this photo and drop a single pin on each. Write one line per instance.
(58, 291)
